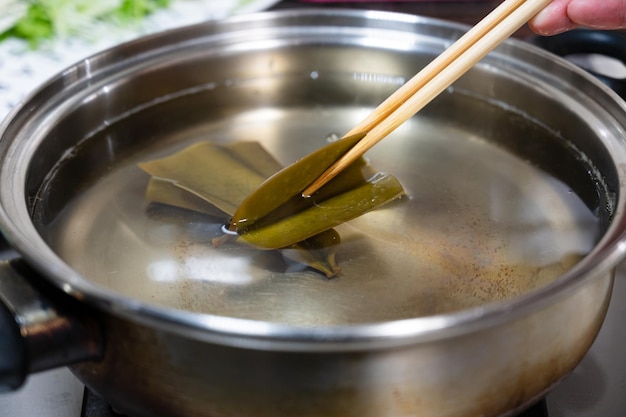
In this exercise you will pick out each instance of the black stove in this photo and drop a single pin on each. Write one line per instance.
(94, 406)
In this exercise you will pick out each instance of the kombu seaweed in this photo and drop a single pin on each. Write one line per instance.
(260, 202)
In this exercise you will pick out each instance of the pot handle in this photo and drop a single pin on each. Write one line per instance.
(37, 331)
(611, 43)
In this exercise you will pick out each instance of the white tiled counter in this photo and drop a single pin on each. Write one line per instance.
(22, 69)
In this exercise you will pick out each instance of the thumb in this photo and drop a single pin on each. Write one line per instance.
(553, 18)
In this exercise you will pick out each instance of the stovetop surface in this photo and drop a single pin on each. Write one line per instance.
(596, 388)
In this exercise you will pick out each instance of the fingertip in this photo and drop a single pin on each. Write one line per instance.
(551, 30)
(552, 19)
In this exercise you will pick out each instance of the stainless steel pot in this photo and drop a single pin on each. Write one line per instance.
(82, 287)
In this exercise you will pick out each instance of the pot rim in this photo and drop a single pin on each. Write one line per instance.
(22, 236)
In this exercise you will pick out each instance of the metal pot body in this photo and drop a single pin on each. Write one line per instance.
(490, 359)
(495, 371)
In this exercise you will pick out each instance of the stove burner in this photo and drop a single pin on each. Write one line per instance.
(94, 406)
(538, 410)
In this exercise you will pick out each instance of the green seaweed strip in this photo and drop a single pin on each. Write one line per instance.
(325, 215)
(318, 252)
(350, 178)
(165, 191)
(209, 171)
(254, 156)
(289, 182)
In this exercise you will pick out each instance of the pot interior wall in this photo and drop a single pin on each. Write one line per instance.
(505, 193)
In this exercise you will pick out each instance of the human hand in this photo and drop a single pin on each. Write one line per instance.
(562, 15)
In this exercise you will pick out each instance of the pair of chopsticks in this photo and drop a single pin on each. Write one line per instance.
(437, 76)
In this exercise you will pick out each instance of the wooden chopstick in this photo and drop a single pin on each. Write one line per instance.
(433, 79)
